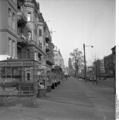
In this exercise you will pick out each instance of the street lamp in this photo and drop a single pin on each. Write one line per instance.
(85, 59)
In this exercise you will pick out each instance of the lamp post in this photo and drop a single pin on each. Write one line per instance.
(84, 46)
(96, 69)
(84, 62)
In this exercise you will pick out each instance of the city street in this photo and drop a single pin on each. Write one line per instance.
(74, 99)
(43, 45)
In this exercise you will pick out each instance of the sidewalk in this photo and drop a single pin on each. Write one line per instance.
(109, 82)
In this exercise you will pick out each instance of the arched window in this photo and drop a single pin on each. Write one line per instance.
(13, 21)
(29, 35)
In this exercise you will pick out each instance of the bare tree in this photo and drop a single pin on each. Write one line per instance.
(77, 60)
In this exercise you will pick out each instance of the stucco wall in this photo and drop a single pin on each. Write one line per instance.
(5, 30)
(3, 14)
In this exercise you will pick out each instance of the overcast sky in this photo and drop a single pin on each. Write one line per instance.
(81, 21)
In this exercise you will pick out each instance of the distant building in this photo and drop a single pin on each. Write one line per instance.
(58, 59)
(114, 60)
(99, 68)
(96, 65)
(114, 56)
(108, 63)
(66, 71)
(102, 68)
(89, 71)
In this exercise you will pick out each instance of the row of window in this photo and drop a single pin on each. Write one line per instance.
(30, 34)
(11, 19)
(12, 47)
(29, 18)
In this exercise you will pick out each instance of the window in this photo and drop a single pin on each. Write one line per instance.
(28, 53)
(40, 32)
(9, 17)
(29, 35)
(9, 40)
(44, 28)
(13, 21)
(13, 48)
(35, 56)
(10, 46)
(28, 76)
(29, 16)
(39, 56)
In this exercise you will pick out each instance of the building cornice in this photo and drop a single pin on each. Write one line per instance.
(10, 32)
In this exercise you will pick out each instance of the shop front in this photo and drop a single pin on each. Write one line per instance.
(20, 74)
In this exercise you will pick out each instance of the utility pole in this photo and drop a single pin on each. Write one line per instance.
(85, 68)
(84, 62)
(96, 70)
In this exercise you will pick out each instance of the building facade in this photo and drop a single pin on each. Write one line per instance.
(110, 62)
(25, 36)
(8, 28)
(114, 59)
(58, 59)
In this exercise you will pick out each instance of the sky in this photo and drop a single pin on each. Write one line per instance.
(75, 22)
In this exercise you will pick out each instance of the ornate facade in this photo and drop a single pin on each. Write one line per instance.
(24, 35)
(58, 59)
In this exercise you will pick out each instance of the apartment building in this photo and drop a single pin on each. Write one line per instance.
(8, 28)
(110, 62)
(25, 38)
(49, 46)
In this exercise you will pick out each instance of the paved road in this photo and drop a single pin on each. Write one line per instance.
(72, 100)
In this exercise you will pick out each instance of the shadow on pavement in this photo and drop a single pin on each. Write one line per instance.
(13, 101)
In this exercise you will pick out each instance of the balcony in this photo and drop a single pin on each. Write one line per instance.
(50, 59)
(33, 43)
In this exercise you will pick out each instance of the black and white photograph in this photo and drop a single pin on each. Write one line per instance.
(58, 60)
